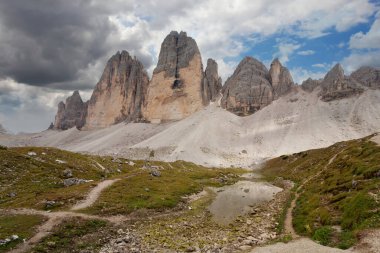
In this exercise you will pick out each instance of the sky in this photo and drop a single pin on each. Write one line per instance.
(48, 49)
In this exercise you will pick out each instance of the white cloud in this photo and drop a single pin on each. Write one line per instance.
(29, 108)
(359, 59)
(306, 52)
(319, 65)
(300, 74)
(285, 50)
(371, 39)
(341, 45)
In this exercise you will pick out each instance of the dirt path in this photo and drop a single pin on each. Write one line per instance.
(289, 214)
(94, 194)
(55, 218)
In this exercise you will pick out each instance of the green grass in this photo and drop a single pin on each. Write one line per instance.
(141, 190)
(345, 194)
(20, 225)
(74, 235)
(28, 181)
(35, 179)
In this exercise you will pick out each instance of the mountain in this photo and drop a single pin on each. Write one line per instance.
(71, 114)
(175, 89)
(248, 89)
(280, 78)
(367, 76)
(119, 94)
(336, 85)
(297, 121)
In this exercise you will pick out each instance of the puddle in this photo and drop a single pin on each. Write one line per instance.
(234, 200)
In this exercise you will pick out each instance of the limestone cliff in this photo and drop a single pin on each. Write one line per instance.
(336, 85)
(175, 89)
(212, 83)
(119, 94)
(71, 114)
(280, 78)
(367, 76)
(248, 89)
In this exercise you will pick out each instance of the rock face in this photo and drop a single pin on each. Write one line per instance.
(72, 113)
(280, 78)
(175, 90)
(119, 94)
(336, 85)
(248, 89)
(309, 85)
(367, 76)
(212, 83)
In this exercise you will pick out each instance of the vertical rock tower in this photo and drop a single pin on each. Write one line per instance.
(175, 90)
(119, 94)
(212, 83)
(72, 113)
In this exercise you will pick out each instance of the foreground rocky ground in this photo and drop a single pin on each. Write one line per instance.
(118, 205)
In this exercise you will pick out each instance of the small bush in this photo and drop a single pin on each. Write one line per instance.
(323, 235)
(3, 147)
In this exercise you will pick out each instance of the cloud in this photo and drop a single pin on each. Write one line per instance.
(319, 65)
(306, 52)
(359, 59)
(285, 50)
(300, 74)
(371, 39)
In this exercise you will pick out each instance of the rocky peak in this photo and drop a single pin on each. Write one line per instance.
(72, 113)
(280, 78)
(212, 83)
(309, 85)
(336, 85)
(248, 89)
(120, 92)
(175, 90)
(367, 76)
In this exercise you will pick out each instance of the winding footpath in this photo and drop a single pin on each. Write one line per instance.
(55, 218)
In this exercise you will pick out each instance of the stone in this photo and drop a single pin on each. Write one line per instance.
(12, 194)
(49, 204)
(74, 181)
(336, 85)
(280, 78)
(309, 85)
(71, 114)
(245, 247)
(367, 76)
(155, 173)
(175, 89)
(248, 89)
(212, 83)
(119, 94)
(31, 153)
(67, 173)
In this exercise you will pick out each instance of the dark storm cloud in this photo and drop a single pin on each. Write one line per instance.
(47, 43)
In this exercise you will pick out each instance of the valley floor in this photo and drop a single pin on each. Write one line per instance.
(60, 201)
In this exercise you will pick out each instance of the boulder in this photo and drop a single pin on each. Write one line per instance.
(71, 114)
(119, 94)
(248, 89)
(175, 89)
